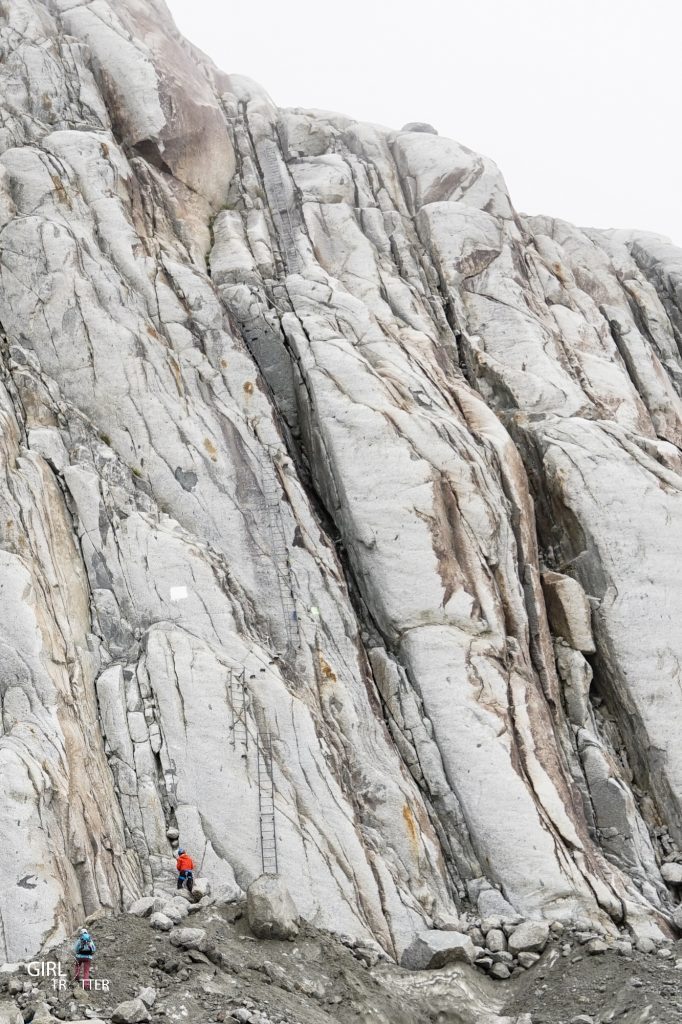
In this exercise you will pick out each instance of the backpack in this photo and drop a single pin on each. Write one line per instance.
(85, 946)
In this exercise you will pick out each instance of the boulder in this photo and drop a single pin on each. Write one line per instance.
(430, 949)
(148, 996)
(270, 909)
(672, 873)
(488, 923)
(419, 126)
(529, 937)
(173, 913)
(133, 1011)
(190, 938)
(202, 888)
(142, 907)
(500, 971)
(161, 922)
(596, 946)
(172, 834)
(448, 923)
(491, 903)
(227, 893)
(677, 918)
(42, 1014)
(568, 610)
(496, 940)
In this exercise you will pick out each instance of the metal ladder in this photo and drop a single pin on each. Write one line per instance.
(271, 510)
(279, 203)
(239, 704)
(266, 807)
(171, 783)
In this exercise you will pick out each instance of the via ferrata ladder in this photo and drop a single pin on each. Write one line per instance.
(239, 704)
(266, 807)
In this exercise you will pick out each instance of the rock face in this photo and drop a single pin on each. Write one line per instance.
(304, 430)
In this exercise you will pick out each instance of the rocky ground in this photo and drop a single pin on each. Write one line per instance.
(156, 976)
(583, 989)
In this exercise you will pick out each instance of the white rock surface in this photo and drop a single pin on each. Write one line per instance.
(277, 388)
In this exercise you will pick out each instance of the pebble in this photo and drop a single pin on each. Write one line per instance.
(528, 959)
(499, 971)
(596, 946)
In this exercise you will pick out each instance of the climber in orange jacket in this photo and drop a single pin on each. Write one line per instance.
(184, 865)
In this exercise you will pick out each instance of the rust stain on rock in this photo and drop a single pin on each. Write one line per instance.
(327, 670)
(412, 830)
(210, 448)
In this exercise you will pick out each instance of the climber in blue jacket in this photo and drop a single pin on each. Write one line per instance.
(84, 949)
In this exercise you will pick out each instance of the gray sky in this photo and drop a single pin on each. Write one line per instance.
(578, 101)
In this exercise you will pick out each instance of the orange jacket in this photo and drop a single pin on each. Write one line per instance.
(184, 863)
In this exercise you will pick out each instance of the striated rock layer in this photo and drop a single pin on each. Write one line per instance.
(315, 453)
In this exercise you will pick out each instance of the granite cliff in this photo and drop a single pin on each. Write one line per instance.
(319, 460)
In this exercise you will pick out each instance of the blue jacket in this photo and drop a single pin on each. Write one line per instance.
(80, 943)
